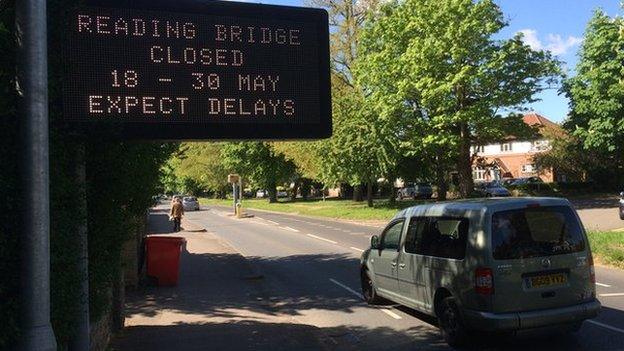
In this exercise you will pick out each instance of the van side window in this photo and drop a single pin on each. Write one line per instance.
(417, 226)
(392, 236)
(443, 237)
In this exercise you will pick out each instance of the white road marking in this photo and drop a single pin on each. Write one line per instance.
(358, 233)
(270, 221)
(606, 326)
(356, 249)
(603, 285)
(611, 295)
(384, 310)
(291, 229)
(346, 288)
(390, 313)
(321, 238)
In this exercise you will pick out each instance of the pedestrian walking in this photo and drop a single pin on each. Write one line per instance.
(176, 213)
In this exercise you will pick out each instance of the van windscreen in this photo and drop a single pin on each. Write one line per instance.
(535, 232)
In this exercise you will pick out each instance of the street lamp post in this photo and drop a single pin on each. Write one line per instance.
(32, 90)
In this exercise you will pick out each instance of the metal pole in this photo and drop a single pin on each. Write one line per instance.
(32, 89)
(234, 195)
(80, 339)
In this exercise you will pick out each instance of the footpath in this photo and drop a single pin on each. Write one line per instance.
(220, 303)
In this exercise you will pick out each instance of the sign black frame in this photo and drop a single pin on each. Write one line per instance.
(225, 131)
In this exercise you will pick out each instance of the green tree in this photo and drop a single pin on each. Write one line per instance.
(596, 93)
(201, 167)
(439, 63)
(258, 163)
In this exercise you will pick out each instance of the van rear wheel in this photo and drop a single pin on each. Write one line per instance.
(451, 323)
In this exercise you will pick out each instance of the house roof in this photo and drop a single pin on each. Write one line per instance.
(536, 120)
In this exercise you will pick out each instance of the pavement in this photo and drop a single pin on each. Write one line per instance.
(220, 303)
(306, 286)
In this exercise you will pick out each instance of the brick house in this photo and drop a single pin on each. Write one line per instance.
(513, 158)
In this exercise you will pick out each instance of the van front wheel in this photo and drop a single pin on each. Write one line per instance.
(368, 289)
(451, 324)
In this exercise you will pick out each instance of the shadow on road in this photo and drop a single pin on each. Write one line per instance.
(238, 303)
(159, 222)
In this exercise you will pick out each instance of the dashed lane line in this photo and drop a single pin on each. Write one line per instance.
(611, 295)
(390, 313)
(603, 285)
(321, 238)
(355, 293)
(346, 288)
(272, 222)
(356, 249)
(619, 330)
(291, 229)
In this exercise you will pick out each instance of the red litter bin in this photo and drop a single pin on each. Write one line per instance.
(163, 258)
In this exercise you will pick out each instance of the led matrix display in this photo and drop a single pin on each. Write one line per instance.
(215, 70)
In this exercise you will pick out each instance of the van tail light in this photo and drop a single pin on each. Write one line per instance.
(484, 281)
(592, 271)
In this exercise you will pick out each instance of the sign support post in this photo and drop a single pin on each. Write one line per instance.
(32, 90)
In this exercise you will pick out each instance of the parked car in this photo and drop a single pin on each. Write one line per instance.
(262, 193)
(282, 193)
(490, 189)
(508, 181)
(622, 205)
(190, 203)
(498, 265)
(415, 191)
(527, 180)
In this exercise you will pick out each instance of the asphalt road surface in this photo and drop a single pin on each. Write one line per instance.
(311, 268)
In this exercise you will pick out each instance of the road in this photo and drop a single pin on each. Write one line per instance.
(601, 213)
(311, 266)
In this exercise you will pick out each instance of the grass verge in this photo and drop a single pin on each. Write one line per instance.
(330, 208)
(607, 247)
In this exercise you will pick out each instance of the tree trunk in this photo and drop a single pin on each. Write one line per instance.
(441, 180)
(464, 164)
(393, 193)
(272, 193)
(295, 189)
(305, 188)
(357, 193)
(369, 193)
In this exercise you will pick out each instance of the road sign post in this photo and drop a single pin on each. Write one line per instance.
(32, 89)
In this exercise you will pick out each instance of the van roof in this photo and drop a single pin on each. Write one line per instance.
(489, 204)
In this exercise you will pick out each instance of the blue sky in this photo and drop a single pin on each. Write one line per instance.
(555, 25)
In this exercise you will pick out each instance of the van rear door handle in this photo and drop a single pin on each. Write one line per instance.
(402, 265)
(393, 263)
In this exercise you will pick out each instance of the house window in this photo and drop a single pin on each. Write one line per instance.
(478, 174)
(479, 148)
(528, 168)
(506, 147)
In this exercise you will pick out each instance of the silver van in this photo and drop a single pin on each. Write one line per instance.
(496, 264)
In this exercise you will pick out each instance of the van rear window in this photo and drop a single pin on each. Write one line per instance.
(535, 232)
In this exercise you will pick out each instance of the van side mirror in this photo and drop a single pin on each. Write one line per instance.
(374, 242)
(622, 194)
